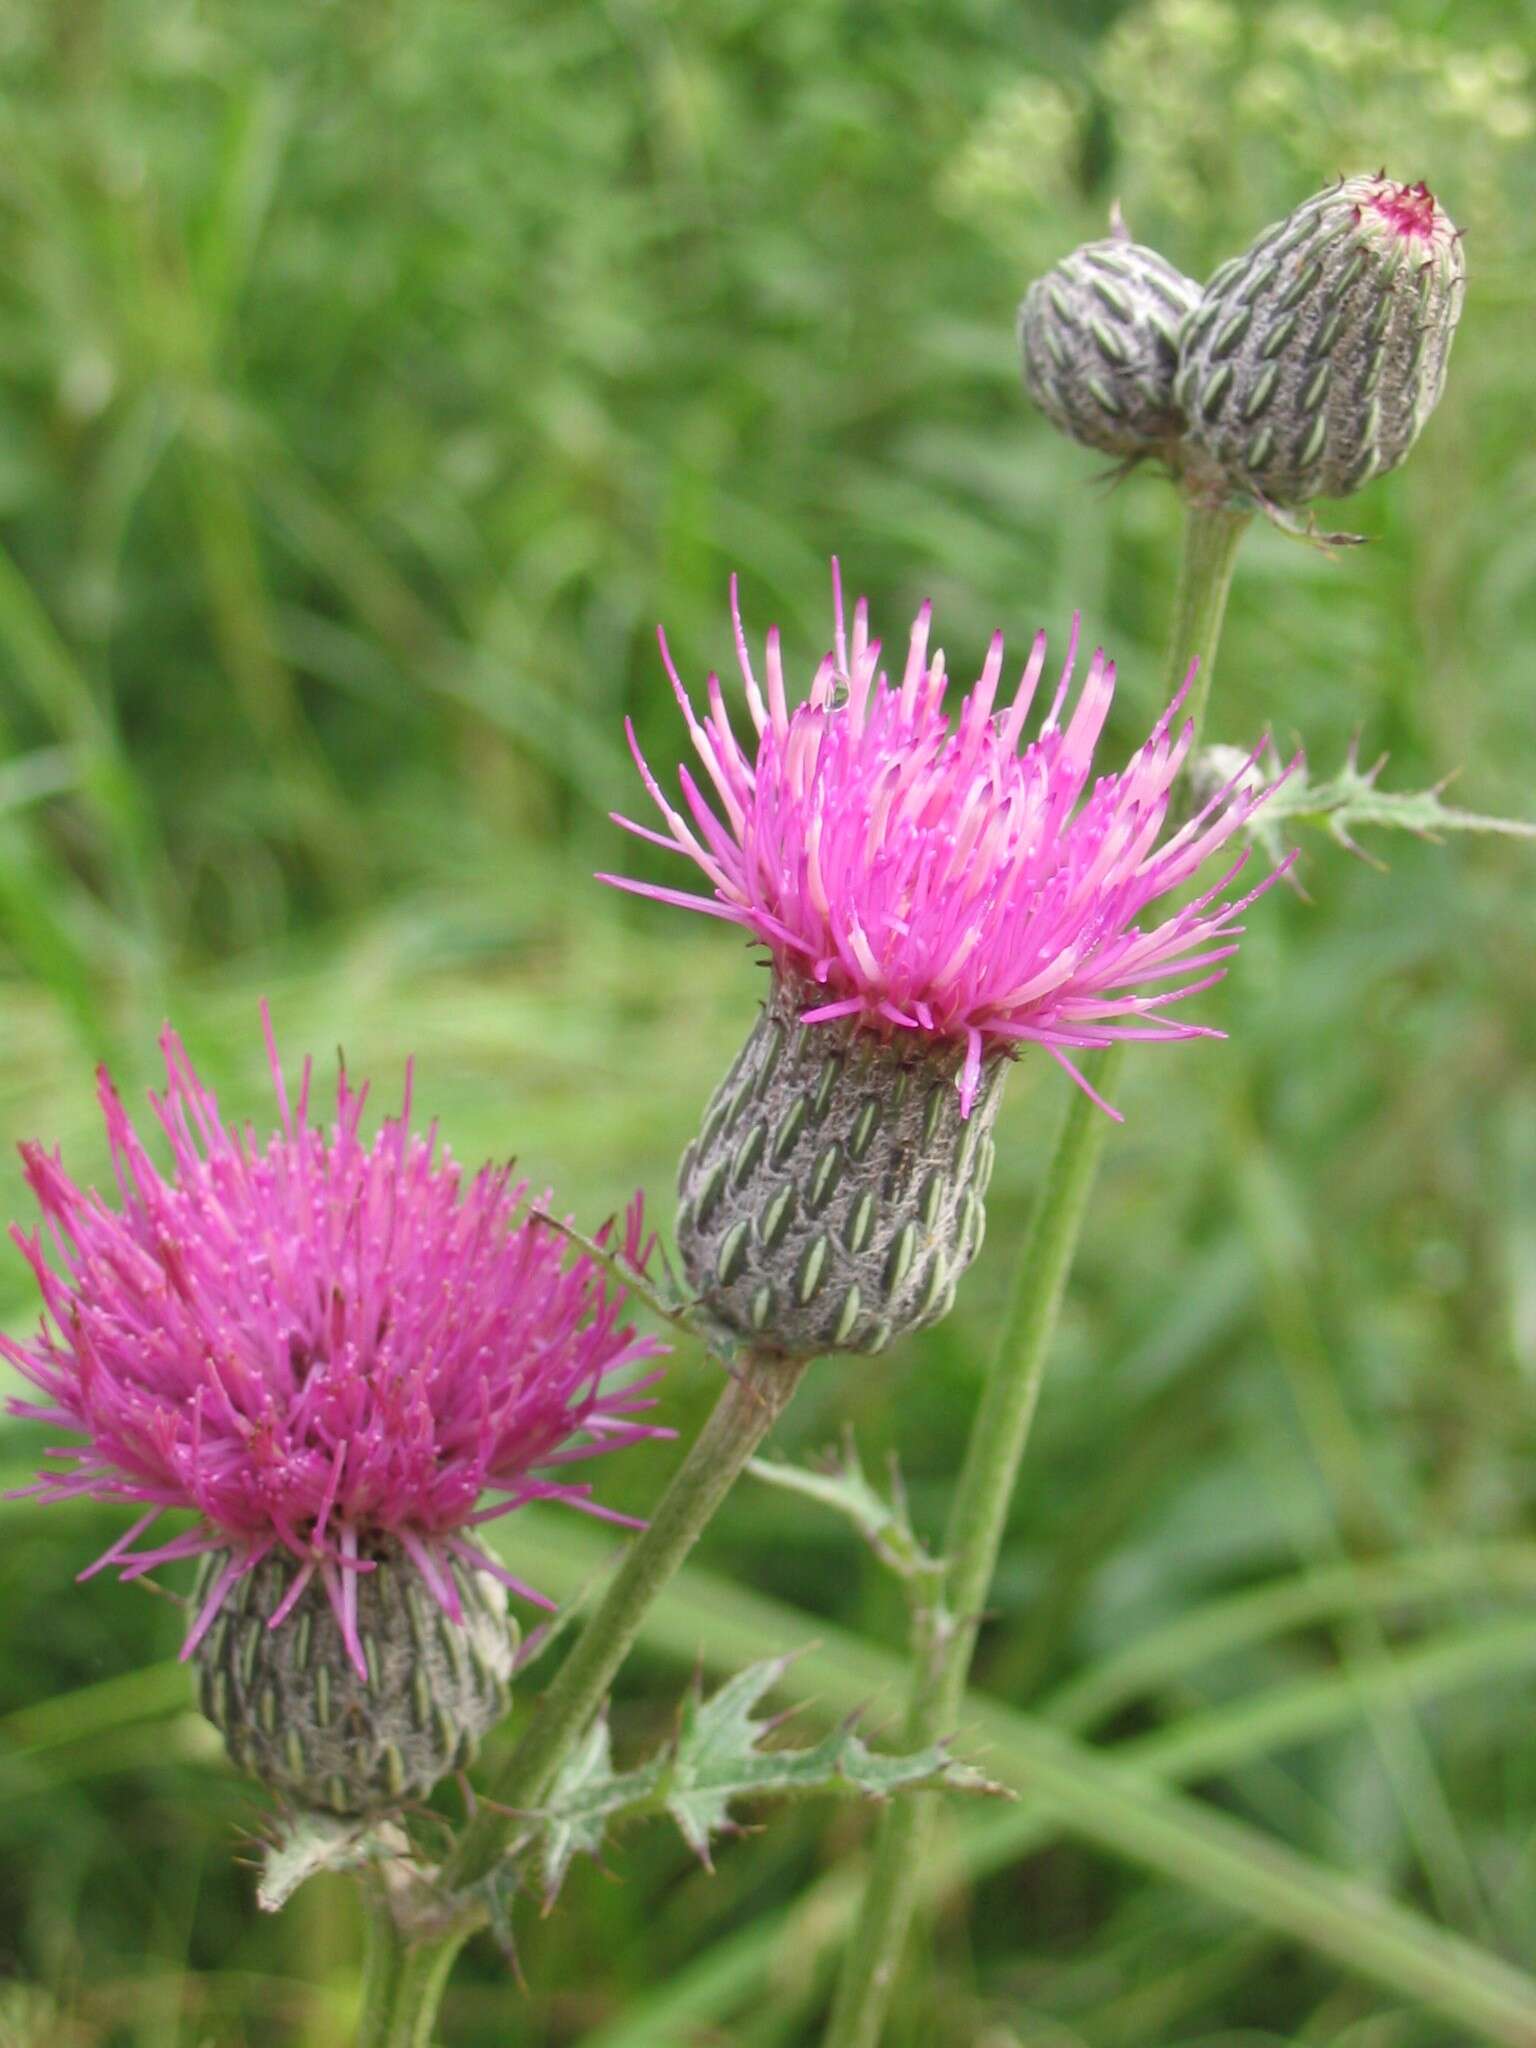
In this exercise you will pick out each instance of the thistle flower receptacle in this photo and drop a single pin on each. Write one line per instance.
(344, 1357)
(834, 1194)
(298, 1714)
(933, 897)
(1315, 358)
(1099, 341)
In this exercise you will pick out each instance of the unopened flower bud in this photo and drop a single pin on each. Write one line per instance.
(1099, 337)
(1316, 356)
(833, 1197)
(296, 1711)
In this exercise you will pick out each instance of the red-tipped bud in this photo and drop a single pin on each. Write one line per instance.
(1316, 356)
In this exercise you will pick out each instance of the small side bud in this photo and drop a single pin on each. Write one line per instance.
(1099, 338)
(1316, 356)
(295, 1711)
(833, 1197)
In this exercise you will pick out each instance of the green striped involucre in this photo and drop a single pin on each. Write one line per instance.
(833, 1197)
(1099, 340)
(294, 1711)
(1315, 357)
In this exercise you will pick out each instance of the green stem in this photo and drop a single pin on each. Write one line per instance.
(985, 1487)
(751, 1403)
(418, 1991)
(383, 1954)
(1213, 532)
(946, 1635)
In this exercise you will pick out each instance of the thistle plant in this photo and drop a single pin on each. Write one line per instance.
(343, 1359)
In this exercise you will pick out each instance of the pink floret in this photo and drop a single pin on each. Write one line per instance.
(318, 1340)
(931, 875)
(1409, 209)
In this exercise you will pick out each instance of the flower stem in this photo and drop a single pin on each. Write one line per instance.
(418, 1991)
(382, 1956)
(1213, 531)
(945, 1636)
(753, 1399)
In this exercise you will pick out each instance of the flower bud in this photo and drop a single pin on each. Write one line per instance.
(833, 1197)
(296, 1711)
(1316, 356)
(1099, 336)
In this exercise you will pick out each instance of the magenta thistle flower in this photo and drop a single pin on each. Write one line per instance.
(934, 893)
(329, 1347)
(929, 876)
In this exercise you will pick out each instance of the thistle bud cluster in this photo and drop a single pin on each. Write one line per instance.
(1308, 365)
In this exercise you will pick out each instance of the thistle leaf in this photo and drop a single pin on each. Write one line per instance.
(715, 1759)
(307, 1843)
(580, 1806)
(498, 1893)
(840, 1483)
(1349, 802)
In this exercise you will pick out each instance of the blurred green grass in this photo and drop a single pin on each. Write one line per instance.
(371, 380)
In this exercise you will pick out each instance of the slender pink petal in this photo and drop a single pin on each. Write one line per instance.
(235, 1566)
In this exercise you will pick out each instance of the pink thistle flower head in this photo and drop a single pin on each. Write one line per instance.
(323, 1344)
(937, 876)
(935, 891)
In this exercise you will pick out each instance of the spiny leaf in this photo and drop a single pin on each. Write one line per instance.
(304, 1845)
(715, 1759)
(1348, 802)
(498, 1891)
(716, 1762)
(578, 1807)
(840, 1483)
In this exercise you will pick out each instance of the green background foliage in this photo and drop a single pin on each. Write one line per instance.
(372, 379)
